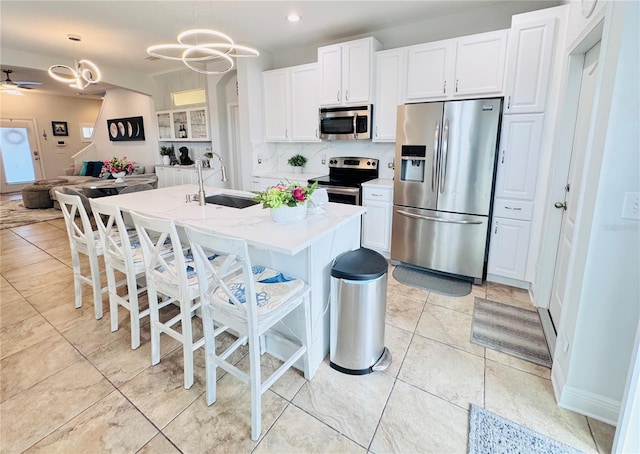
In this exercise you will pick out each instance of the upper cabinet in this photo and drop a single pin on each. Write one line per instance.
(529, 65)
(346, 72)
(471, 66)
(390, 69)
(291, 104)
(185, 125)
(480, 61)
(430, 70)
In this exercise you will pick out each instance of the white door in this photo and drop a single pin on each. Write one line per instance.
(572, 195)
(20, 163)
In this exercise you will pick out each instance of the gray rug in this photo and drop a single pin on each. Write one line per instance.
(511, 330)
(14, 214)
(431, 281)
(490, 433)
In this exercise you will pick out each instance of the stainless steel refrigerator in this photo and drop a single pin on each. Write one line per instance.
(445, 164)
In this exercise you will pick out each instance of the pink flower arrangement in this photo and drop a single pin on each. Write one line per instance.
(282, 194)
(115, 165)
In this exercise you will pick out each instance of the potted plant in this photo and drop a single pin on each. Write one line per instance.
(166, 153)
(287, 201)
(118, 168)
(297, 161)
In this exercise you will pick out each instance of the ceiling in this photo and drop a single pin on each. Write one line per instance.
(115, 34)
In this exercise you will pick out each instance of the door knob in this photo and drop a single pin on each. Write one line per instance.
(562, 205)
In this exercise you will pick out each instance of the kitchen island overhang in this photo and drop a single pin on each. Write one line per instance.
(304, 249)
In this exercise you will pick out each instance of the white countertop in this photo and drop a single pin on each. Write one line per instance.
(379, 182)
(253, 224)
(291, 176)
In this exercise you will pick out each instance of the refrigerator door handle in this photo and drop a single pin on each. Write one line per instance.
(445, 152)
(431, 218)
(436, 137)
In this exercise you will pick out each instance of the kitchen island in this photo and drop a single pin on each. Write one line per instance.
(304, 249)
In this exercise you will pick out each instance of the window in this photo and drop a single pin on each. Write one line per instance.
(86, 132)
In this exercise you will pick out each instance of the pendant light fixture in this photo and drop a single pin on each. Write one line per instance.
(203, 50)
(83, 74)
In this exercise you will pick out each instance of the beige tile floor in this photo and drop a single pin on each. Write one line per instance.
(70, 385)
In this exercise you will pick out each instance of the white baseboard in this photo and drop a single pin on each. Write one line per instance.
(589, 404)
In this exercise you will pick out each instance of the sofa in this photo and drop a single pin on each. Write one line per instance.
(75, 177)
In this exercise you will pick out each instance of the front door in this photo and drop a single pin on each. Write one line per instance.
(19, 155)
(572, 195)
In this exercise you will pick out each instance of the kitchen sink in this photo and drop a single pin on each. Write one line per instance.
(232, 201)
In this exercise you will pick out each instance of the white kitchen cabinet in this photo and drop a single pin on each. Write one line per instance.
(291, 104)
(376, 222)
(518, 156)
(346, 72)
(529, 59)
(390, 69)
(176, 175)
(277, 98)
(509, 248)
(480, 62)
(184, 125)
(430, 70)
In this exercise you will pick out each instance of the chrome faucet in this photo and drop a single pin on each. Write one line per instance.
(223, 174)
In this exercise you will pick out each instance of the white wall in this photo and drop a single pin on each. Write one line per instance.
(600, 310)
(121, 103)
(45, 109)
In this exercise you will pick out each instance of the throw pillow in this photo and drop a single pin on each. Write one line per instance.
(83, 169)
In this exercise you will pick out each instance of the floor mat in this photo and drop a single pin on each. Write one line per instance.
(490, 433)
(511, 330)
(431, 281)
(14, 214)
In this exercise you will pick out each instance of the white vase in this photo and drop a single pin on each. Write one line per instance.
(297, 169)
(287, 214)
(166, 160)
(119, 176)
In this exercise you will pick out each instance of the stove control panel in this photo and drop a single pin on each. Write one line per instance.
(353, 163)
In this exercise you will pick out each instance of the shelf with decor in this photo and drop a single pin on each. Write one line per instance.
(183, 125)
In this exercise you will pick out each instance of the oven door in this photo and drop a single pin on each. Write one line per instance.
(343, 194)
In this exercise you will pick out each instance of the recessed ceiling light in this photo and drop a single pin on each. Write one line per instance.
(293, 17)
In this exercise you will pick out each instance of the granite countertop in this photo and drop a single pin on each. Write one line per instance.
(253, 224)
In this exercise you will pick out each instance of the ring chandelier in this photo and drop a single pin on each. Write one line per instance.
(191, 52)
(85, 74)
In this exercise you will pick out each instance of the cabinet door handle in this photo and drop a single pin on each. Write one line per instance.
(509, 102)
(496, 229)
(286, 133)
(316, 133)
(338, 96)
(376, 131)
(346, 95)
(456, 85)
(444, 87)
(502, 160)
(514, 209)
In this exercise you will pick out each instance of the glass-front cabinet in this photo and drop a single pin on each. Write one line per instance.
(187, 125)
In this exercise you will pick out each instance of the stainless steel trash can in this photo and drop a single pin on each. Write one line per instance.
(358, 305)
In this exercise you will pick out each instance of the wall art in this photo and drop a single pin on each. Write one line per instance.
(121, 129)
(59, 128)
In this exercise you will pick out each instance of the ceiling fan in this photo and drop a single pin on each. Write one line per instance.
(9, 84)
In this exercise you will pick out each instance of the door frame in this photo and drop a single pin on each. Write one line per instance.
(36, 145)
(565, 132)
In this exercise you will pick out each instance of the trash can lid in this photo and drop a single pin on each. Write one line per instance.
(360, 265)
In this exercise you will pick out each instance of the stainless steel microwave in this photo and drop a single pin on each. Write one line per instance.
(346, 123)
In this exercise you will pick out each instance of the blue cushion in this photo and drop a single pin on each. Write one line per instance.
(94, 168)
(83, 169)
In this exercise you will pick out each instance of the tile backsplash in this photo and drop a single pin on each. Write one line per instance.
(274, 158)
